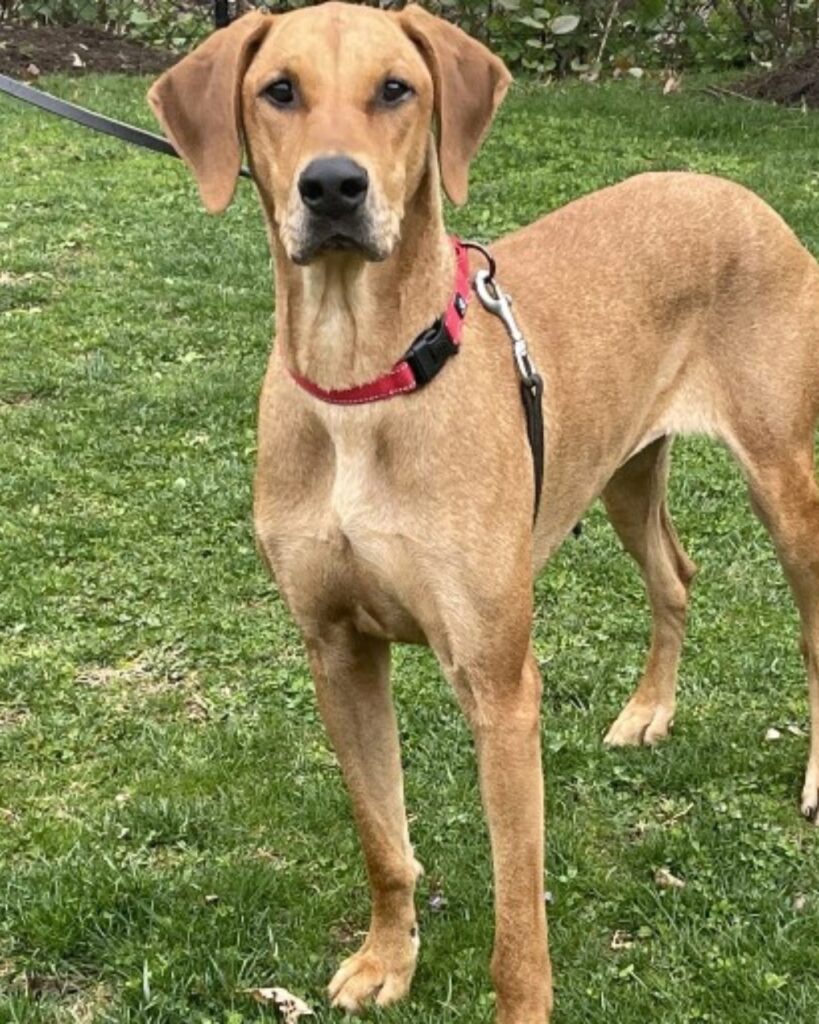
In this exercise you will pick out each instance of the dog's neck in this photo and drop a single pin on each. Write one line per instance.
(343, 321)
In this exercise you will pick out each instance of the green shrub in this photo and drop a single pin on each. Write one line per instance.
(539, 37)
(167, 23)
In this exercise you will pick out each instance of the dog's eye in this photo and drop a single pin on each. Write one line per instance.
(393, 91)
(281, 93)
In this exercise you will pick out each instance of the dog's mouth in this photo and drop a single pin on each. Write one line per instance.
(340, 243)
(326, 240)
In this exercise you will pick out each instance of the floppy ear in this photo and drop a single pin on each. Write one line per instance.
(197, 102)
(470, 83)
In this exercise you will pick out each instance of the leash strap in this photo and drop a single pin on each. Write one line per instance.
(532, 394)
(221, 13)
(90, 119)
(497, 302)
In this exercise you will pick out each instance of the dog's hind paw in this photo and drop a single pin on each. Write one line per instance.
(365, 977)
(640, 724)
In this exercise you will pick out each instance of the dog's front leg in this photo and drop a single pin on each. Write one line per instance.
(503, 709)
(351, 674)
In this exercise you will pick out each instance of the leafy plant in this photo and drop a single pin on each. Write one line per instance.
(540, 38)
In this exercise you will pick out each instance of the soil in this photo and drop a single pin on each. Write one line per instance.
(794, 84)
(28, 51)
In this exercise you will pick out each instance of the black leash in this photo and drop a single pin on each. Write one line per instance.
(90, 119)
(496, 301)
(221, 13)
(531, 391)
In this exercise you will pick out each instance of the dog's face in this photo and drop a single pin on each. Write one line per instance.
(334, 105)
(337, 107)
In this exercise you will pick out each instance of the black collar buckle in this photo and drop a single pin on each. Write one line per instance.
(429, 352)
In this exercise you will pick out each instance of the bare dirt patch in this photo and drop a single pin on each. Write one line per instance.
(9, 280)
(28, 51)
(73, 999)
(100, 676)
(14, 400)
(154, 671)
(12, 716)
(154, 674)
(795, 84)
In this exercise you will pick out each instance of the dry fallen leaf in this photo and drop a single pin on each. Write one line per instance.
(289, 1006)
(437, 902)
(665, 880)
(773, 734)
(672, 84)
(33, 71)
(196, 708)
(621, 940)
(76, 60)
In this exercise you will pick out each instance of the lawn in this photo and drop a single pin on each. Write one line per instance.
(173, 829)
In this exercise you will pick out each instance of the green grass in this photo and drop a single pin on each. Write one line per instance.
(159, 745)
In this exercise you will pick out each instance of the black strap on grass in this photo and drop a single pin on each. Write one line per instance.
(90, 119)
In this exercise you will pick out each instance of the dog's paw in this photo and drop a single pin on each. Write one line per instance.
(640, 724)
(366, 977)
(810, 795)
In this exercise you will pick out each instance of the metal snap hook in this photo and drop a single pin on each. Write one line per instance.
(497, 302)
(487, 291)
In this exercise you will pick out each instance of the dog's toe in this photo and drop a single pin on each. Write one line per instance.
(640, 725)
(810, 805)
(364, 978)
(356, 982)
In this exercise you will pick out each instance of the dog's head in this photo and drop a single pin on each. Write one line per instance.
(334, 106)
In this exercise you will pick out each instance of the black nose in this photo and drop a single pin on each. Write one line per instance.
(333, 186)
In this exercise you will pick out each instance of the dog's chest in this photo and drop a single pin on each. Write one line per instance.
(353, 554)
(363, 513)
(357, 493)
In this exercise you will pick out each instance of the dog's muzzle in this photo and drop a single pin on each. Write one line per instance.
(334, 193)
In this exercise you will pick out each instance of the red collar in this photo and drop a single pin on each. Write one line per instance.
(423, 360)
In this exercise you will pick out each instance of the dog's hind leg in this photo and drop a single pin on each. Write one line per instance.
(351, 675)
(636, 505)
(785, 496)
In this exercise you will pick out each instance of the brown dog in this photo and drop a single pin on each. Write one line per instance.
(410, 519)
